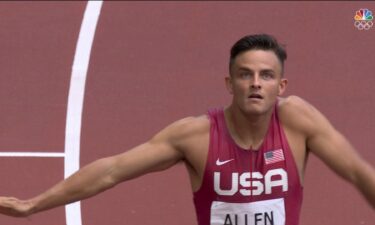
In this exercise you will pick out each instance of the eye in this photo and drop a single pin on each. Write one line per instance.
(245, 75)
(267, 75)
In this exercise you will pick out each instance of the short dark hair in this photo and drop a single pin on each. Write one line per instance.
(258, 42)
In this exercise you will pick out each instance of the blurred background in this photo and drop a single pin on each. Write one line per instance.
(155, 62)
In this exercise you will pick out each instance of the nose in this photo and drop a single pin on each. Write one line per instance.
(255, 83)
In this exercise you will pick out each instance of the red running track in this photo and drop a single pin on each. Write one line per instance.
(155, 62)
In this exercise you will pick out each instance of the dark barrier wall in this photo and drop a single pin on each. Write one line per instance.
(155, 62)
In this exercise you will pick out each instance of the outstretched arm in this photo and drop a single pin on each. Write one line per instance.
(157, 154)
(335, 151)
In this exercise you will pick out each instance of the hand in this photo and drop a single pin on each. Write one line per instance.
(14, 207)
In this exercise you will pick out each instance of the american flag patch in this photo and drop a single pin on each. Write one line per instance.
(274, 156)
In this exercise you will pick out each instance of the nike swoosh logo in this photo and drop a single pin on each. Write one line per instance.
(220, 163)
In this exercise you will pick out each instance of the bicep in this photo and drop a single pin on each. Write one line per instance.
(333, 148)
(336, 152)
(154, 155)
(164, 150)
(323, 140)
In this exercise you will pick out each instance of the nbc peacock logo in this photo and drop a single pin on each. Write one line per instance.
(363, 19)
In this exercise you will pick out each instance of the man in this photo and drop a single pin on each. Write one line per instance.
(246, 162)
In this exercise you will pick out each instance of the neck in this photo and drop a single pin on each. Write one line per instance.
(248, 130)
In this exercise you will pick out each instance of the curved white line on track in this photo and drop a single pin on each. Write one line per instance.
(75, 101)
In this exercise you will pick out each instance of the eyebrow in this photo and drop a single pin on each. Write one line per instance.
(264, 70)
(268, 70)
(244, 69)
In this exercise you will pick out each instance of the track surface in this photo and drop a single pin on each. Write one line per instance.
(153, 63)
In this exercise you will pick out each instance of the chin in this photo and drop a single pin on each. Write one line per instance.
(253, 110)
(256, 109)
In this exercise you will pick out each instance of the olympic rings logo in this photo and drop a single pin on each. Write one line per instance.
(363, 19)
(363, 24)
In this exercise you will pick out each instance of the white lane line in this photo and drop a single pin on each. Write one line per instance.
(75, 101)
(33, 154)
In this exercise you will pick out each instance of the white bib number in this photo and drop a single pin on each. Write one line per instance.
(268, 212)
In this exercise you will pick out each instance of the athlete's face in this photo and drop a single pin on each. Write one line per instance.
(256, 81)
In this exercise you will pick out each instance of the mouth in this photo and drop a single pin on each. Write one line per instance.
(255, 96)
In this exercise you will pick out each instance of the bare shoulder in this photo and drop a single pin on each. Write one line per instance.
(294, 104)
(189, 126)
(298, 114)
(182, 132)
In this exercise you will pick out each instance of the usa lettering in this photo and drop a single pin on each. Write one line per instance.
(253, 183)
(265, 218)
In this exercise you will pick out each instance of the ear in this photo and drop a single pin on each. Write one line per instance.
(282, 86)
(229, 84)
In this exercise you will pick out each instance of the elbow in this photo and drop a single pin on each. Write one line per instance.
(109, 179)
(364, 180)
(362, 174)
(103, 176)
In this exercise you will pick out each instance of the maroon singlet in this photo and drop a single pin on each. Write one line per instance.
(248, 187)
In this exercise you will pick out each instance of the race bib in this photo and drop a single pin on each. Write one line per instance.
(268, 212)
